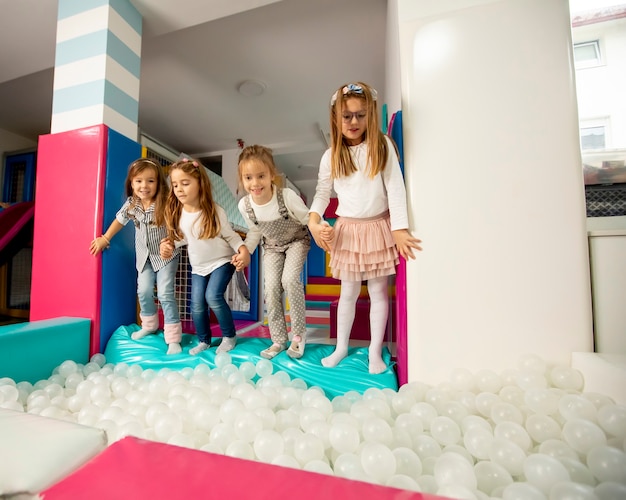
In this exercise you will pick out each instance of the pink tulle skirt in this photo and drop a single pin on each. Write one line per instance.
(363, 248)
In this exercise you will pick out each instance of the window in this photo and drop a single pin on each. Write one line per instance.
(587, 54)
(593, 137)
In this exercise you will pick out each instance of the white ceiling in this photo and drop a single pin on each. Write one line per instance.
(195, 54)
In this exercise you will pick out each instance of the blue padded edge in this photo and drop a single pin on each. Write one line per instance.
(350, 375)
(119, 277)
(31, 351)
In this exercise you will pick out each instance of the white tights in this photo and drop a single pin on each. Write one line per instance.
(379, 310)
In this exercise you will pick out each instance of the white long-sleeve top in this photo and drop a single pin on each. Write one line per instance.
(206, 255)
(358, 195)
(270, 211)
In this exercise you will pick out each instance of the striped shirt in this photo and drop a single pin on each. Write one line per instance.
(148, 236)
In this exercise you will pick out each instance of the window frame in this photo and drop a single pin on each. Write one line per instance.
(589, 63)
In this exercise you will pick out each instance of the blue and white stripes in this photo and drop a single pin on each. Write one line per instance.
(98, 57)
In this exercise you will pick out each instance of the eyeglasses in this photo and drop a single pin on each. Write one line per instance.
(348, 117)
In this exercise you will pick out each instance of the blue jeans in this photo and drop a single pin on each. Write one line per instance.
(165, 280)
(208, 292)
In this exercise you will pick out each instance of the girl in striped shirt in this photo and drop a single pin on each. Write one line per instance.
(146, 189)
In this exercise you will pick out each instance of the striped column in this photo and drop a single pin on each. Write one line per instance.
(98, 56)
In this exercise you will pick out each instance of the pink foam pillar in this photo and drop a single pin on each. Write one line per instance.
(68, 212)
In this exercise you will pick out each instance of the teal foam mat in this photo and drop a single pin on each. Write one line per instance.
(350, 375)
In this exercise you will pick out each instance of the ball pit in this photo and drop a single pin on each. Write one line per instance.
(530, 432)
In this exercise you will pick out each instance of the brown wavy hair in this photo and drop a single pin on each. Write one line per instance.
(341, 164)
(136, 168)
(209, 219)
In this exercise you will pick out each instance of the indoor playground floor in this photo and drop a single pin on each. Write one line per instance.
(351, 374)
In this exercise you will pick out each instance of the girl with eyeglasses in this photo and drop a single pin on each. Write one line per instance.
(146, 189)
(372, 225)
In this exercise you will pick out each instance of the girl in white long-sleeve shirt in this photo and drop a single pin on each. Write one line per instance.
(194, 219)
(362, 167)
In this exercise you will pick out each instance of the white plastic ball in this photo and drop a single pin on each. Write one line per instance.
(567, 490)
(542, 428)
(583, 435)
(426, 412)
(485, 401)
(508, 455)
(68, 367)
(308, 447)
(377, 430)
(612, 419)
(264, 367)
(610, 491)
(514, 432)
(247, 425)
(407, 462)
(452, 469)
(522, 491)
(578, 472)
(491, 476)
(343, 437)
(319, 466)
(222, 434)
(568, 378)
(557, 448)
(99, 359)
(167, 425)
(240, 449)
(378, 462)
(268, 444)
(286, 461)
(544, 471)
(222, 359)
(184, 440)
(572, 406)
(607, 464)
(477, 441)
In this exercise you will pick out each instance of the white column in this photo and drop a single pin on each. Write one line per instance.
(495, 186)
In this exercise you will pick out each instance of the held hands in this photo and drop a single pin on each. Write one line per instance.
(98, 245)
(166, 248)
(405, 243)
(241, 259)
(323, 234)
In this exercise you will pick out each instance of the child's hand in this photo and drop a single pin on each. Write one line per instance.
(242, 258)
(405, 243)
(166, 248)
(98, 245)
(323, 234)
(236, 261)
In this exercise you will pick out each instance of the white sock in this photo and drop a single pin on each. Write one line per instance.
(174, 348)
(202, 346)
(227, 344)
(139, 334)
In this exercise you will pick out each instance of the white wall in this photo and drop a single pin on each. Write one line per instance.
(600, 89)
(230, 159)
(495, 188)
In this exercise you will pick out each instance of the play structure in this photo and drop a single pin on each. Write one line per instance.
(16, 237)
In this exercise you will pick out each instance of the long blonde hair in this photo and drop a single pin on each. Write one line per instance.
(209, 219)
(341, 161)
